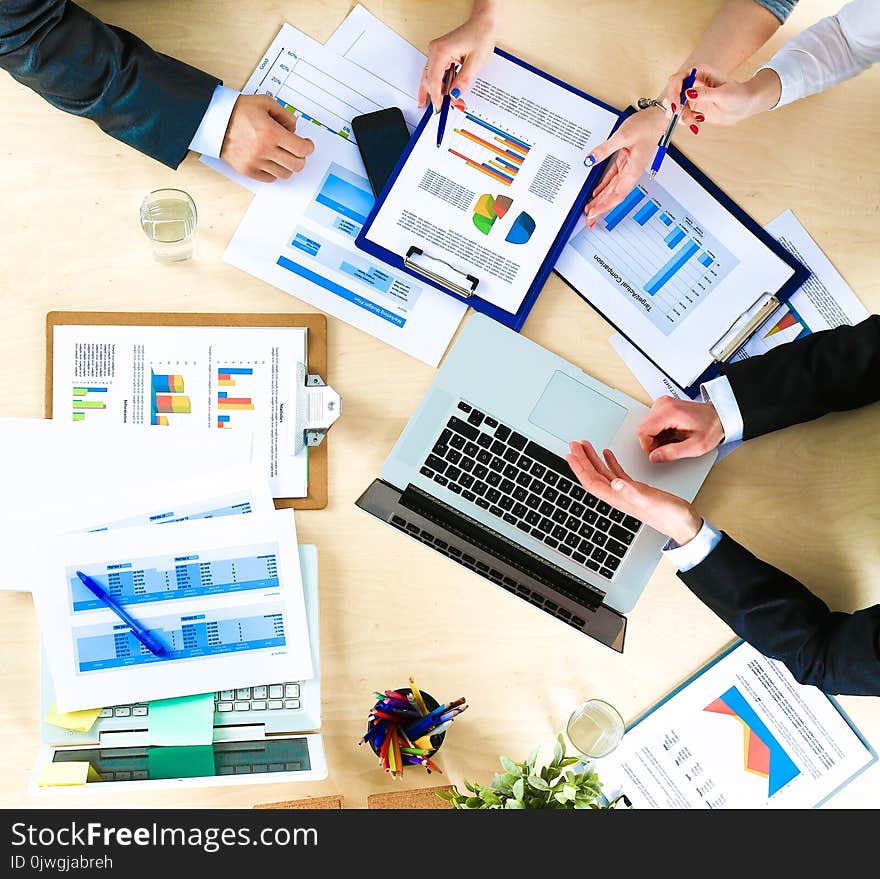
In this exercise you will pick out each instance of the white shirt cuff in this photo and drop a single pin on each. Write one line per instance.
(719, 393)
(694, 551)
(208, 139)
(787, 65)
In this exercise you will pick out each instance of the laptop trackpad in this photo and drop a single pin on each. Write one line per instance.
(572, 411)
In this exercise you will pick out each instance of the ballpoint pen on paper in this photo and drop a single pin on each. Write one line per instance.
(451, 71)
(663, 144)
(149, 640)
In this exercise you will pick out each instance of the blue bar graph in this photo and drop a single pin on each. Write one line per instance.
(706, 260)
(645, 213)
(656, 283)
(235, 370)
(666, 219)
(503, 134)
(673, 238)
(623, 209)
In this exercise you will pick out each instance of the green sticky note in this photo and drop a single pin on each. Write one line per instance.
(191, 762)
(187, 720)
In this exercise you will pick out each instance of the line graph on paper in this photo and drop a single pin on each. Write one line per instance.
(313, 94)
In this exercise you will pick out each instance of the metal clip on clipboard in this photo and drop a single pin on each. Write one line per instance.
(441, 272)
(744, 327)
(317, 408)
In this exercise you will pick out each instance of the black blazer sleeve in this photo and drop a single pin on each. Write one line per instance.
(836, 652)
(829, 371)
(150, 101)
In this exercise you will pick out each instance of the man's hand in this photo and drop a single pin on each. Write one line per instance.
(469, 45)
(676, 429)
(607, 480)
(633, 146)
(261, 142)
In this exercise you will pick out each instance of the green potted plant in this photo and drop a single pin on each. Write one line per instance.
(524, 786)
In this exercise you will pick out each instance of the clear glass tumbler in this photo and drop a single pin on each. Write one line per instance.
(595, 728)
(169, 218)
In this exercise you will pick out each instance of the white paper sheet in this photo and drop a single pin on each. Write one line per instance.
(328, 88)
(742, 735)
(492, 199)
(368, 42)
(190, 379)
(224, 595)
(56, 477)
(823, 302)
(299, 236)
(672, 268)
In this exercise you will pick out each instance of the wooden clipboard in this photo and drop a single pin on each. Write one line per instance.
(316, 324)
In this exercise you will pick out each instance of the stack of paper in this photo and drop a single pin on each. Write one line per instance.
(823, 302)
(299, 233)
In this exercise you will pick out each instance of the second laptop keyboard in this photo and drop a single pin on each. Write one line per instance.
(269, 697)
(510, 476)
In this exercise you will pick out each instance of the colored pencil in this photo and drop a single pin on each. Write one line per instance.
(418, 697)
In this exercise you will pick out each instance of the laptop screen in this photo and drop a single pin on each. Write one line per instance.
(197, 761)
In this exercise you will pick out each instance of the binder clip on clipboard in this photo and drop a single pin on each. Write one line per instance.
(317, 408)
(744, 327)
(440, 272)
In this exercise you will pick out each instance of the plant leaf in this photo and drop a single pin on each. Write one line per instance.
(559, 749)
(538, 783)
(514, 804)
(518, 788)
(532, 758)
(510, 766)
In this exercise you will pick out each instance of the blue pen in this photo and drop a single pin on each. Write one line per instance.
(687, 83)
(444, 104)
(149, 640)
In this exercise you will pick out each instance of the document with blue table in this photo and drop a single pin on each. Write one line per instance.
(224, 595)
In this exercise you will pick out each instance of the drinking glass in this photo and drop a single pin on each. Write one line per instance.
(595, 728)
(169, 218)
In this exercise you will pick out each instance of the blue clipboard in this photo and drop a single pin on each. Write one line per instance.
(514, 321)
(799, 276)
(727, 650)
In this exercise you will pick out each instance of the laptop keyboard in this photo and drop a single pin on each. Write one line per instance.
(490, 465)
(269, 697)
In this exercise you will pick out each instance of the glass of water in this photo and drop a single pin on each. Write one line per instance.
(168, 218)
(595, 728)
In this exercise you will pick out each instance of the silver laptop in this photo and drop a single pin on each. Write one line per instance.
(258, 730)
(479, 474)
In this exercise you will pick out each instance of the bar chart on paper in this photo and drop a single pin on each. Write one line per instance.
(89, 400)
(167, 399)
(209, 633)
(486, 148)
(656, 250)
(234, 393)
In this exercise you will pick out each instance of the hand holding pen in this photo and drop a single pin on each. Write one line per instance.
(678, 109)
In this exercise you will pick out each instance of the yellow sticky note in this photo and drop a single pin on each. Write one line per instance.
(66, 774)
(78, 721)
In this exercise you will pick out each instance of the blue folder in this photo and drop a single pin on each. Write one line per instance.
(514, 321)
(800, 271)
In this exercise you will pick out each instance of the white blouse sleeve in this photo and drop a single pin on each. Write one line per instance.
(832, 50)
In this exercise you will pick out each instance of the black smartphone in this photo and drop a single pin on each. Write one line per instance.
(381, 137)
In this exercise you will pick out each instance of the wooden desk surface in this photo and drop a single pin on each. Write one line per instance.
(69, 239)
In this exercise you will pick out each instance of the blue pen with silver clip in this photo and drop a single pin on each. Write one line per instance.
(147, 638)
(663, 144)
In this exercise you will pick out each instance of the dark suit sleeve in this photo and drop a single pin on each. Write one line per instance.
(837, 652)
(150, 101)
(829, 371)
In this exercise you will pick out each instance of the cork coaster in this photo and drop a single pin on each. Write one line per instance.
(334, 802)
(421, 798)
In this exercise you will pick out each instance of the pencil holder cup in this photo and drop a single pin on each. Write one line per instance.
(430, 703)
